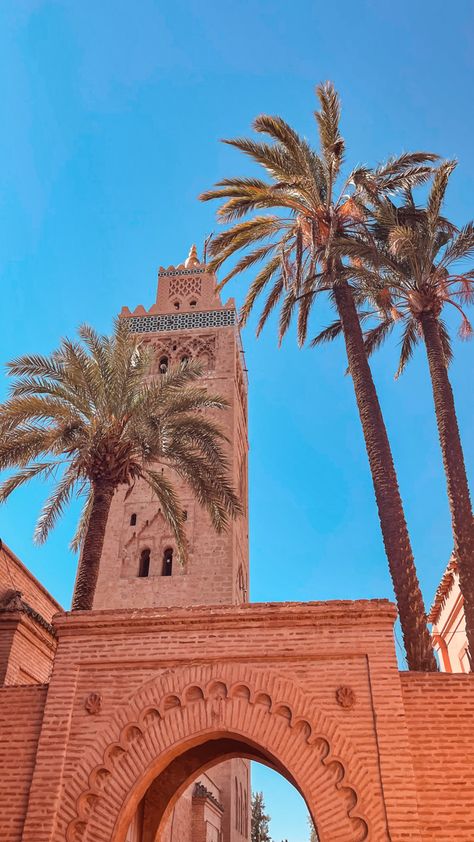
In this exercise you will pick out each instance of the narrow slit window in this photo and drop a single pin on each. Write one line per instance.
(133, 520)
(167, 562)
(144, 566)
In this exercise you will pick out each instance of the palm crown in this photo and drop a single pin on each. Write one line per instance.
(300, 248)
(90, 416)
(411, 266)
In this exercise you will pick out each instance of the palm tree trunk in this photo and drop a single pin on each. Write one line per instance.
(411, 608)
(88, 569)
(454, 468)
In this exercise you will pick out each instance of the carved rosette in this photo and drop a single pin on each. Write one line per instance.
(345, 697)
(93, 703)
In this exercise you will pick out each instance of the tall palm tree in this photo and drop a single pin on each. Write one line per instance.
(90, 416)
(301, 254)
(412, 274)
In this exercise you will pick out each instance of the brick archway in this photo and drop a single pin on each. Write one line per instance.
(192, 706)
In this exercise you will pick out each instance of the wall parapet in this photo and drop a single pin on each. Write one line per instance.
(341, 613)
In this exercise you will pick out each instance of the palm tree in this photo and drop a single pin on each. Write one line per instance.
(411, 273)
(301, 254)
(90, 416)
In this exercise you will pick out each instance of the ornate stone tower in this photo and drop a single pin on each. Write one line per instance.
(139, 568)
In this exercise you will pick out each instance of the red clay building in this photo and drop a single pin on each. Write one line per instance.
(449, 622)
(112, 721)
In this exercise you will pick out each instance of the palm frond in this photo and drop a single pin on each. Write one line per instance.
(409, 339)
(172, 510)
(445, 341)
(54, 507)
(257, 286)
(328, 334)
(241, 236)
(438, 191)
(247, 261)
(270, 304)
(273, 157)
(376, 336)
(403, 162)
(461, 246)
(231, 188)
(14, 481)
(328, 119)
(77, 540)
(290, 301)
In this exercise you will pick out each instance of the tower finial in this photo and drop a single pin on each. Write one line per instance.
(192, 258)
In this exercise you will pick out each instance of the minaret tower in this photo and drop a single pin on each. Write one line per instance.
(139, 566)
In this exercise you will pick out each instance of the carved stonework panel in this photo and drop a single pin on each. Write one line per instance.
(199, 348)
(185, 286)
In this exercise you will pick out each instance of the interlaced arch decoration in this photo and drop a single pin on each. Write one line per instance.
(196, 704)
(201, 348)
(184, 286)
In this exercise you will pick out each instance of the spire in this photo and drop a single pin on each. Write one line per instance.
(192, 259)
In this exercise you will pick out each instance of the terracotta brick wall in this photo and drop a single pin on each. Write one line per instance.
(406, 743)
(26, 650)
(319, 647)
(21, 712)
(178, 826)
(15, 576)
(7, 634)
(439, 711)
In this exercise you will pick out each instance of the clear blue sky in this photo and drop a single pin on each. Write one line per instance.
(111, 114)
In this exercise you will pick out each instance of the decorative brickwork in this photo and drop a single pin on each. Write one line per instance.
(183, 321)
(257, 708)
(200, 348)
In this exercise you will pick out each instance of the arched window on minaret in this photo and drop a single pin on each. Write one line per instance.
(163, 365)
(144, 566)
(167, 562)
